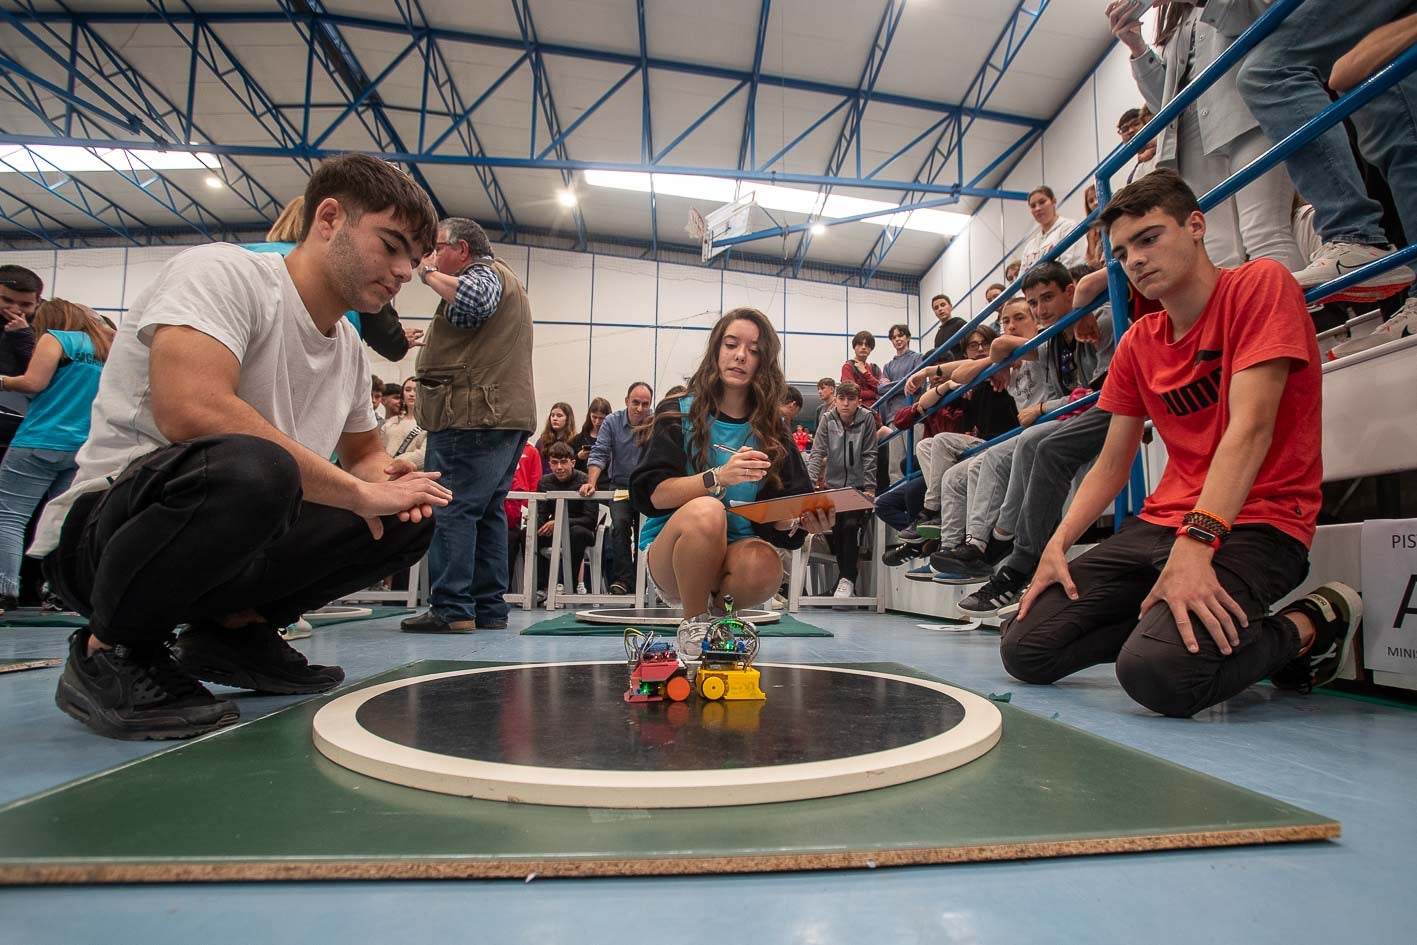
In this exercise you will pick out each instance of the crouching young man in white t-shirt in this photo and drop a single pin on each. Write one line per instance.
(205, 494)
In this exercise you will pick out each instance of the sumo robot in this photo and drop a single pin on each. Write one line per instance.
(656, 671)
(725, 648)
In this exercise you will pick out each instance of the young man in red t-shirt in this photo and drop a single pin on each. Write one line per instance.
(1229, 374)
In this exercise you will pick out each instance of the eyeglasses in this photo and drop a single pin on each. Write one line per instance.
(976, 346)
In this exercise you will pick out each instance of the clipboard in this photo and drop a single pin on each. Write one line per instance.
(787, 507)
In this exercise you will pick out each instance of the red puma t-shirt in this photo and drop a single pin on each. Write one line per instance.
(1256, 314)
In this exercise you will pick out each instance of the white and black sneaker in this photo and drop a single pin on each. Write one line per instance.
(1338, 259)
(1001, 590)
(1336, 611)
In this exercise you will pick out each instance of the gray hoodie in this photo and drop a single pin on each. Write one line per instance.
(846, 451)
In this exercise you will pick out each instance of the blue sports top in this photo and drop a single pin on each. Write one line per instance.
(58, 417)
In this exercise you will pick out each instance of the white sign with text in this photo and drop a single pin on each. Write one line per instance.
(1390, 595)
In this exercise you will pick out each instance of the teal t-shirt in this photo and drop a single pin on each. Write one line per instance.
(734, 434)
(58, 418)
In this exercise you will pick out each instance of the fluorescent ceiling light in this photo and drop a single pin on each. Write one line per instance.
(773, 197)
(40, 158)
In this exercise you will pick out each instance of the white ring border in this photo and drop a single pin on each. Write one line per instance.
(342, 740)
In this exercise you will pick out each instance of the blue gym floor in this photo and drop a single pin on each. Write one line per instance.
(1353, 760)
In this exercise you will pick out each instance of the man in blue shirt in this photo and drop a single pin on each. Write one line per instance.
(617, 451)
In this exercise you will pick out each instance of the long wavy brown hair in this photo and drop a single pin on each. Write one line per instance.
(764, 395)
(549, 436)
(63, 315)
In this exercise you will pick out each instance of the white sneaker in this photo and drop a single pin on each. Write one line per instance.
(778, 602)
(1337, 259)
(844, 588)
(1402, 323)
(580, 588)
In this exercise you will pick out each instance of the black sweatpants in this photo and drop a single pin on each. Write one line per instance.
(206, 528)
(1257, 565)
(846, 542)
(580, 538)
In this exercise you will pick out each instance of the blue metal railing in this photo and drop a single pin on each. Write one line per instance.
(1375, 85)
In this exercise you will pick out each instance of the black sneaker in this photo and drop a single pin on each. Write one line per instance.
(928, 519)
(1005, 587)
(1336, 610)
(252, 657)
(429, 622)
(137, 693)
(617, 588)
(998, 549)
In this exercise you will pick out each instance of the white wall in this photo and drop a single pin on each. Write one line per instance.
(1078, 139)
(602, 322)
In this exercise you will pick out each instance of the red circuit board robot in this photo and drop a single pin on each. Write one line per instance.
(656, 671)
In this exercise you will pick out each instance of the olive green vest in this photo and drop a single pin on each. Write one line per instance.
(479, 378)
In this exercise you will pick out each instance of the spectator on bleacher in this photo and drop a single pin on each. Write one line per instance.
(205, 494)
(1132, 121)
(950, 324)
(20, 291)
(791, 406)
(897, 369)
(994, 290)
(955, 506)
(62, 380)
(1073, 364)
(560, 421)
(726, 433)
(580, 516)
(584, 441)
(477, 400)
(402, 435)
(524, 479)
(1180, 598)
(1052, 227)
(1282, 81)
(376, 395)
(844, 454)
(1093, 258)
(1011, 270)
(802, 438)
(1214, 137)
(826, 399)
(861, 372)
(616, 454)
(391, 404)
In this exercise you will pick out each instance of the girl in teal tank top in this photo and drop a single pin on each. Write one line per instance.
(62, 380)
(723, 441)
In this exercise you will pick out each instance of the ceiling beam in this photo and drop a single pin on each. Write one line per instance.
(850, 138)
(257, 17)
(541, 86)
(1007, 46)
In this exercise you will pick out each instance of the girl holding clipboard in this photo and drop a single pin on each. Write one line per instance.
(722, 441)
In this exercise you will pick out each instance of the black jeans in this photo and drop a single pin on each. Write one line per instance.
(206, 528)
(846, 542)
(580, 538)
(1257, 565)
(624, 530)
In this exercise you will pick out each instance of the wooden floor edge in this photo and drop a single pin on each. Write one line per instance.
(373, 869)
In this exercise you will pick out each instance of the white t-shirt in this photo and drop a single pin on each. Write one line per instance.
(311, 387)
(1044, 240)
(1026, 383)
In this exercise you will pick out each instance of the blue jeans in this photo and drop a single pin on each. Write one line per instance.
(1280, 82)
(900, 505)
(27, 478)
(467, 563)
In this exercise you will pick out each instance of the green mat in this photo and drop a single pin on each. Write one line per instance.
(375, 613)
(567, 625)
(12, 619)
(258, 802)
